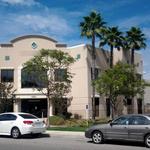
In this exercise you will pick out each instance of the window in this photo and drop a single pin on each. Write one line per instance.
(27, 116)
(121, 121)
(96, 73)
(7, 58)
(60, 74)
(7, 117)
(129, 101)
(78, 56)
(7, 75)
(139, 120)
(33, 80)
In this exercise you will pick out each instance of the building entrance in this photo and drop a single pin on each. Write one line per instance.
(36, 107)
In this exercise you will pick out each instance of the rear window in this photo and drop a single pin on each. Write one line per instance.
(27, 116)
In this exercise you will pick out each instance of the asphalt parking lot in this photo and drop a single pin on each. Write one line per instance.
(63, 141)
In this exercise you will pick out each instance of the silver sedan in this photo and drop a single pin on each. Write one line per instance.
(127, 127)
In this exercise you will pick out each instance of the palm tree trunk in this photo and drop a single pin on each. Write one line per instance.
(111, 66)
(93, 75)
(132, 57)
(111, 56)
(48, 111)
(132, 63)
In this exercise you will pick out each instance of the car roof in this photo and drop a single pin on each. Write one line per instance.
(132, 115)
(15, 113)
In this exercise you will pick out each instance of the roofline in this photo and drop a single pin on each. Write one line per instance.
(76, 46)
(32, 36)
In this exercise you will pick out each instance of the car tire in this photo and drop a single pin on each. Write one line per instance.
(97, 137)
(147, 140)
(15, 133)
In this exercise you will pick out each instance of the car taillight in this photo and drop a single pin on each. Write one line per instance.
(28, 122)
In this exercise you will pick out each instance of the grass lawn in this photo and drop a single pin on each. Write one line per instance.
(76, 129)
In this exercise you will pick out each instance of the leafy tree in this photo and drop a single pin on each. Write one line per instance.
(90, 28)
(120, 78)
(6, 96)
(52, 71)
(135, 40)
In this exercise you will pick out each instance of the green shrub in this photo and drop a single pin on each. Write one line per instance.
(76, 123)
(56, 120)
(101, 121)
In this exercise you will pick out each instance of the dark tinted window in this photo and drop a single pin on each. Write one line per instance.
(139, 120)
(7, 117)
(7, 75)
(27, 116)
(121, 121)
(60, 75)
(2, 117)
(33, 79)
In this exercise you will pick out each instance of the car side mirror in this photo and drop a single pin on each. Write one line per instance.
(109, 121)
(112, 123)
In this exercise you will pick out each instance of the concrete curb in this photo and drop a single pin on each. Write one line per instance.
(65, 133)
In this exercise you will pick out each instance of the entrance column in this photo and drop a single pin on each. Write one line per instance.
(17, 105)
(51, 111)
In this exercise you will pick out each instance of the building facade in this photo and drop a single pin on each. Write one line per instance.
(14, 54)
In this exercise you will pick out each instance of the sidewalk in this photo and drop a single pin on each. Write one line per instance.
(65, 133)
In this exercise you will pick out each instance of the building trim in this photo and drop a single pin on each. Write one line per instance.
(32, 36)
(6, 45)
(76, 46)
(61, 45)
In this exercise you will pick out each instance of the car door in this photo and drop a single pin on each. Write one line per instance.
(8, 123)
(118, 129)
(138, 127)
(2, 118)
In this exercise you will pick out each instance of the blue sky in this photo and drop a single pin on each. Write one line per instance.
(59, 19)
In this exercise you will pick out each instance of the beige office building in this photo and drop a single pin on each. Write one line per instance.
(21, 49)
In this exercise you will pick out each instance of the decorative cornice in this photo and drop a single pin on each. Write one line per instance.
(32, 36)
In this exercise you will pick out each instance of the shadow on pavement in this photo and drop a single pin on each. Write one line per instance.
(28, 136)
(123, 143)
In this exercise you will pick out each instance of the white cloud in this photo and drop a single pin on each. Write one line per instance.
(20, 2)
(147, 32)
(52, 23)
(133, 21)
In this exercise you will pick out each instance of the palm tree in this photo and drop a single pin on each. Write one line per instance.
(135, 41)
(113, 38)
(90, 28)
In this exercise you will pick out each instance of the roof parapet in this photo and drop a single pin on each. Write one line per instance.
(32, 36)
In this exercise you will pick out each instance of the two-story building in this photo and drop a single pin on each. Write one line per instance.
(19, 50)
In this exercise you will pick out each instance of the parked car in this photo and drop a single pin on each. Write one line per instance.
(127, 127)
(17, 124)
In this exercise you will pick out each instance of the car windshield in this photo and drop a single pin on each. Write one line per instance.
(27, 116)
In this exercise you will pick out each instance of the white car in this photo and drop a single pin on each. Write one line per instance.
(17, 124)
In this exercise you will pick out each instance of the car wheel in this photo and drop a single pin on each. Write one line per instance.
(147, 140)
(97, 137)
(15, 133)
